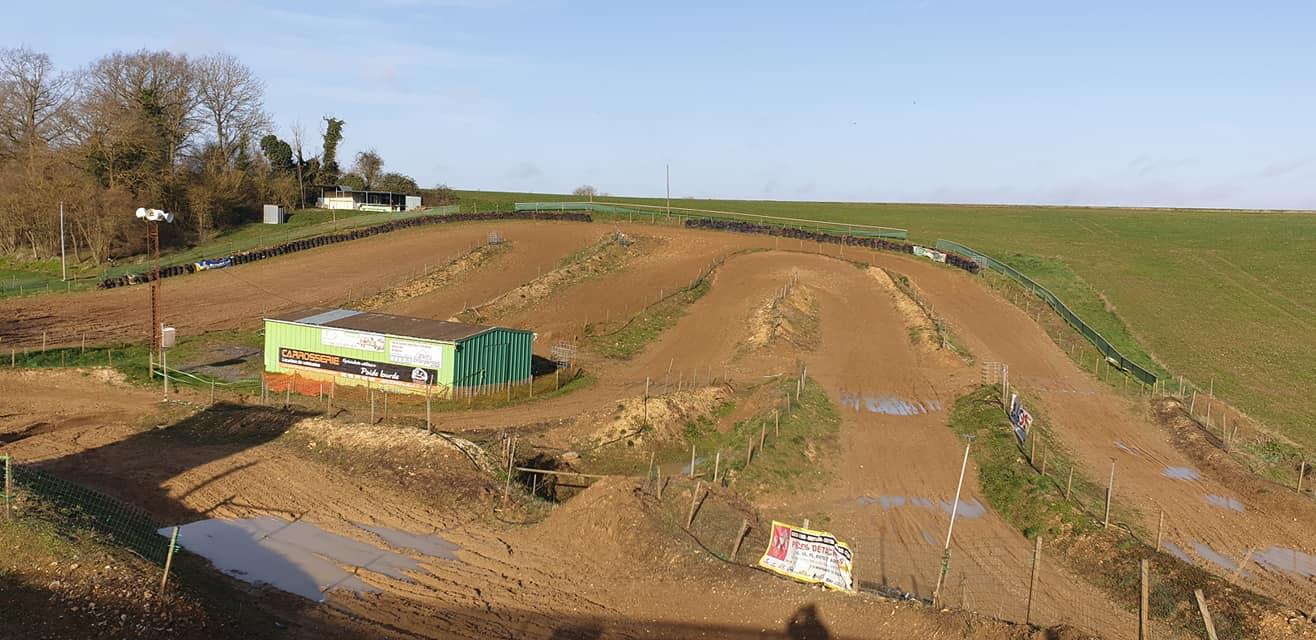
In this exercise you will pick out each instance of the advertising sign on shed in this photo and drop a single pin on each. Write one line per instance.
(815, 557)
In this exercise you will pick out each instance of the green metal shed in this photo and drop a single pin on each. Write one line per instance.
(416, 355)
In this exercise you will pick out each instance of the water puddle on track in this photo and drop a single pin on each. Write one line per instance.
(1177, 552)
(1290, 561)
(970, 508)
(887, 404)
(1216, 558)
(1181, 473)
(301, 558)
(1223, 502)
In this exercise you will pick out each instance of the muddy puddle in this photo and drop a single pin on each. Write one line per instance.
(1290, 561)
(301, 558)
(1223, 502)
(1216, 558)
(970, 508)
(888, 404)
(1181, 473)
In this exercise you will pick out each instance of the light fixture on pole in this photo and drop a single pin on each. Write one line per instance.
(155, 217)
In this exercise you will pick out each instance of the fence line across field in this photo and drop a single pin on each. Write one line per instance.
(866, 230)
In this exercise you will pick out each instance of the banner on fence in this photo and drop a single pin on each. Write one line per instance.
(815, 557)
(930, 254)
(1020, 418)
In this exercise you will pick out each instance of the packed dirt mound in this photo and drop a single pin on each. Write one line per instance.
(790, 316)
(667, 415)
(439, 278)
(607, 524)
(611, 253)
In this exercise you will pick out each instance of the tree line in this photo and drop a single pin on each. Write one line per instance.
(157, 129)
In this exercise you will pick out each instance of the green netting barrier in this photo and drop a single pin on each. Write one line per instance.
(125, 524)
(1103, 345)
(821, 226)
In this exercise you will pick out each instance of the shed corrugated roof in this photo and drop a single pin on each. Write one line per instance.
(405, 326)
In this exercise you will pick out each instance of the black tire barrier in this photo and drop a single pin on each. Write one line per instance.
(355, 234)
(737, 226)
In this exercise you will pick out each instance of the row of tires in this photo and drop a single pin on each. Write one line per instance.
(320, 241)
(737, 226)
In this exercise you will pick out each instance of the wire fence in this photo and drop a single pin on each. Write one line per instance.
(652, 212)
(1102, 344)
(79, 506)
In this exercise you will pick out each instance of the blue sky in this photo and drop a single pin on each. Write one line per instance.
(1127, 103)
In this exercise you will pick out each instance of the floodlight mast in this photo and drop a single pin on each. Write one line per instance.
(155, 217)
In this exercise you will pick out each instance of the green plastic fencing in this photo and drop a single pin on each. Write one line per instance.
(127, 525)
(821, 226)
(1103, 345)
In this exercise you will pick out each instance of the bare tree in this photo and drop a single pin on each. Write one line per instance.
(230, 98)
(142, 106)
(34, 100)
(586, 190)
(368, 166)
(298, 137)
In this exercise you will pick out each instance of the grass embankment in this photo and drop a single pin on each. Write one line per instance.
(1173, 284)
(623, 339)
(794, 440)
(202, 357)
(1072, 530)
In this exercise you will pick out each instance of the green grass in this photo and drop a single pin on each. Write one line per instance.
(624, 342)
(809, 432)
(1107, 558)
(1207, 294)
(132, 360)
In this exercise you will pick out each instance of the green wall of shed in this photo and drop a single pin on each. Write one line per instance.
(494, 357)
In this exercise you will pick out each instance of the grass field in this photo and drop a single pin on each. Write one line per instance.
(1222, 295)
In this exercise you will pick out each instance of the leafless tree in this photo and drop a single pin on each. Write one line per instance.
(298, 137)
(585, 190)
(34, 101)
(147, 100)
(230, 97)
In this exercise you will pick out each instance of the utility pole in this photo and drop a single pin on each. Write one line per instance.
(63, 260)
(669, 190)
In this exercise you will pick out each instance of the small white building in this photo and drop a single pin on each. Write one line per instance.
(341, 197)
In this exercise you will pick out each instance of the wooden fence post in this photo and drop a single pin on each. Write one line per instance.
(1206, 614)
(692, 461)
(1032, 580)
(1302, 471)
(1160, 530)
(694, 504)
(1143, 632)
(1069, 484)
(9, 488)
(740, 537)
(1110, 489)
(169, 562)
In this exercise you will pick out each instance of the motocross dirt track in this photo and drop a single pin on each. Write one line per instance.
(896, 470)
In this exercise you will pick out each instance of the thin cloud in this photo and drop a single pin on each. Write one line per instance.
(525, 172)
(1277, 169)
